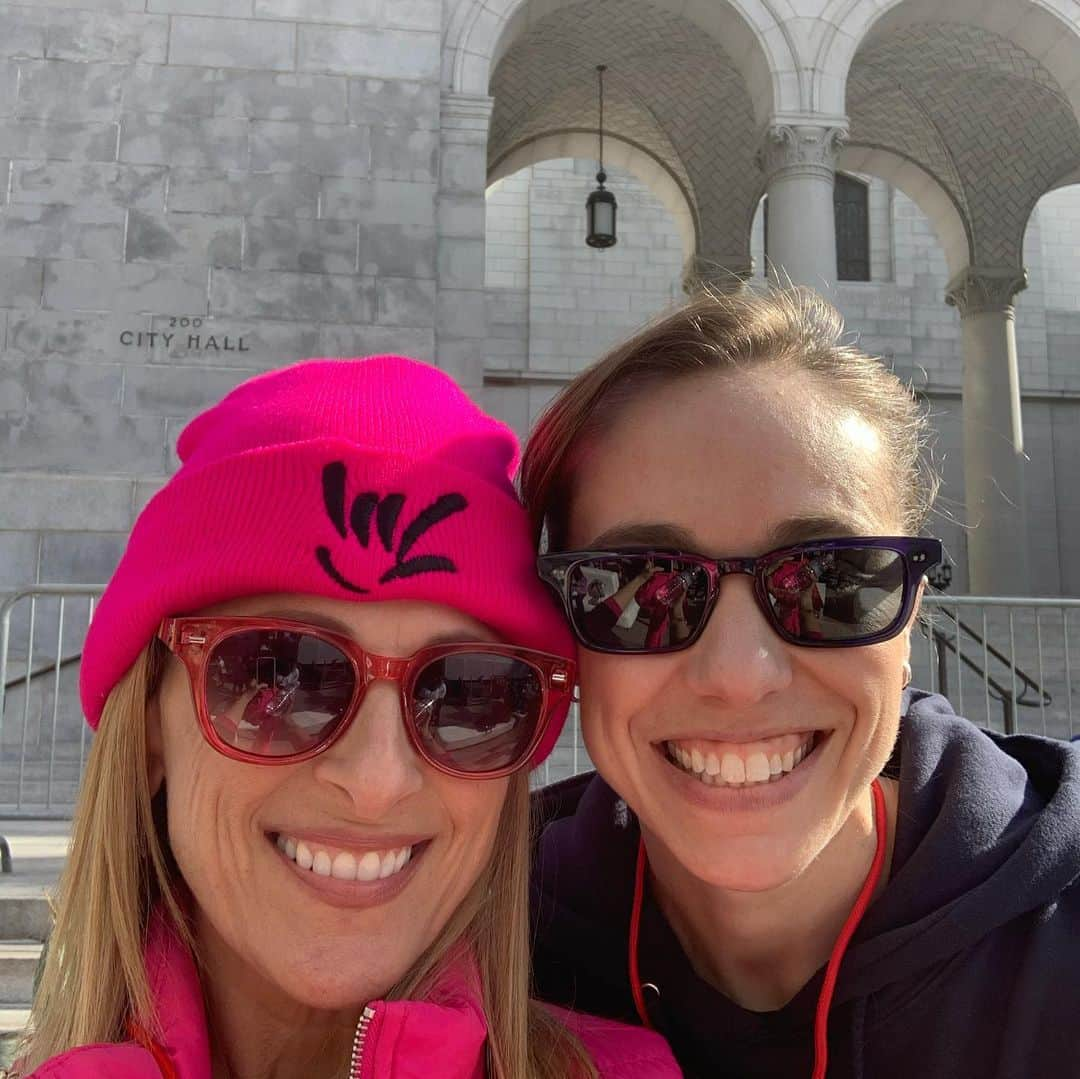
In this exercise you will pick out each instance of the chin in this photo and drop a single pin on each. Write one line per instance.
(343, 983)
(758, 866)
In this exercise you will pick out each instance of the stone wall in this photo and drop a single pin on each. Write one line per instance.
(194, 190)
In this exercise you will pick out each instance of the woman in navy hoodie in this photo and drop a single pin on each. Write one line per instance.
(790, 860)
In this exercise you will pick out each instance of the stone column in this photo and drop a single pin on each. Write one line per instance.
(995, 510)
(722, 273)
(799, 162)
(461, 320)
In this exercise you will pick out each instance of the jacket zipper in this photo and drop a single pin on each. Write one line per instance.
(359, 1038)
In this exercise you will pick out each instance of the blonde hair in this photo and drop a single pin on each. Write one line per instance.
(722, 332)
(119, 870)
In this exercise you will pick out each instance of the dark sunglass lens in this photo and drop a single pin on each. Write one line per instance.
(477, 711)
(836, 595)
(277, 693)
(632, 603)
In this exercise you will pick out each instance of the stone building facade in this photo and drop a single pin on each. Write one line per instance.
(198, 189)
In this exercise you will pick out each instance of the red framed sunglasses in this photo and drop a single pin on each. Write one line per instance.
(278, 691)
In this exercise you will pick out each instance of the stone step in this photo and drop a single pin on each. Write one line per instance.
(18, 965)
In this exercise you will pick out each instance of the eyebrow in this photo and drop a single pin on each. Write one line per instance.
(783, 534)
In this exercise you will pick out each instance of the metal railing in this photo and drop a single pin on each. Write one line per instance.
(43, 738)
(1004, 663)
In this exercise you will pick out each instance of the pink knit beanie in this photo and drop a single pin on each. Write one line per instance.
(373, 479)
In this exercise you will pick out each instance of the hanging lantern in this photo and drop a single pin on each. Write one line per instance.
(600, 206)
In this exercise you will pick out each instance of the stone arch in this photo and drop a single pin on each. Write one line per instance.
(923, 189)
(645, 166)
(1047, 30)
(479, 32)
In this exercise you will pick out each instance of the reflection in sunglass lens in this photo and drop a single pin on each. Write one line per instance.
(477, 711)
(635, 603)
(835, 595)
(276, 692)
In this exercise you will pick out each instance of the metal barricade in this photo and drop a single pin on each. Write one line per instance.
(43, 737)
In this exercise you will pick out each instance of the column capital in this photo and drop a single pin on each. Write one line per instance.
(465, 112)
(722, 273)
(976, 290)
(801, 148)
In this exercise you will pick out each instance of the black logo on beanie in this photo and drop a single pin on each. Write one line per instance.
(385, 509)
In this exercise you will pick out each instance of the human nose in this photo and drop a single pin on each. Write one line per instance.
(373, 763)
(739, 658)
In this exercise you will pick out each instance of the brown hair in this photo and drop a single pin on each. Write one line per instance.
(720, 332)
(119, 869)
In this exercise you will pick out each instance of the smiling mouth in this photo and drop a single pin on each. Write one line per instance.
(366, 866)
(742, 766)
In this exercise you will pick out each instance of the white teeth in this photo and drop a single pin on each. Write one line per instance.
(757, 768)
(731, 770)
(304, 857)
(369, 866)
(343, 867)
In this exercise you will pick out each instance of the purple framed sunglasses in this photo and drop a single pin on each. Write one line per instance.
(829, 593)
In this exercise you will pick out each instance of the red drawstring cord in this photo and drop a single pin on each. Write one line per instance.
(832, 971)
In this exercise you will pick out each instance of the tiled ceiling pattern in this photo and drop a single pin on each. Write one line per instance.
(975, 110)
(669, 88)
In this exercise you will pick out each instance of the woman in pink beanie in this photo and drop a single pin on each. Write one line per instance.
(318, 678)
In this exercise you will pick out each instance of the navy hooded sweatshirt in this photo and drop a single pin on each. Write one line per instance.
(966, 965)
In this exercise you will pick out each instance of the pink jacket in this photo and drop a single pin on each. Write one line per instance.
(404, 1039)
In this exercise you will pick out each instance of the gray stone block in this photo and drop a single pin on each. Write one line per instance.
(12, 383)
(20, 282)
(258, 344)
(143, 491)
(394, 103)
(59, 140)
(149, 139)
(75, 183)
(18, 556)
(413, 15)
(80, 557)
(312, 297)
(265, 46)
(261, 95)
(53, 385)
(85, 338)
(397, 250)
(460, 313)
(174, 91)
(419, 343)
(146, 287)
(400, 154)
(9, 84)
(30, 501)
(381, 202)
(22, 32)
(461, 215)
(156, 390)
(462, 168)
(405, 301)
(323, 149)
(184, 239)
(311, 246)
(377, 54)
(349, 12)
(66, 232)
(49, 90)
(73, 443)
(241, 192)
(461, 263)
(238, 8)
(118, 38)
